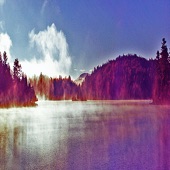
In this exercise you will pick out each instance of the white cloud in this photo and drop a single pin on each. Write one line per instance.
(82, 70)
(44, 6)
(2, 25)
(2, 2)
(52, 46)
(5, 44)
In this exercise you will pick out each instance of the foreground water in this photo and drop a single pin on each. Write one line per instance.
(115, 135)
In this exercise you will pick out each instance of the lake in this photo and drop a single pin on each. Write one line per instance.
(92, 135)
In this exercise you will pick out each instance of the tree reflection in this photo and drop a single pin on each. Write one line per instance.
(10, 146)
(3, 146)
(164, 143)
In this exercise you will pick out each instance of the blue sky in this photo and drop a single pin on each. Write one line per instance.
(80, 34)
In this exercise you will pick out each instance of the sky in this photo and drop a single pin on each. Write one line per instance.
(65, 37)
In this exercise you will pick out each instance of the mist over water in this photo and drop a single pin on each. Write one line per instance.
(85, 135)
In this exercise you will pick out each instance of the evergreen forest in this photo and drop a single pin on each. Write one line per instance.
(126, 77)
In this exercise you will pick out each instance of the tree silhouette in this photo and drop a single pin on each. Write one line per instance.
(127, 77)
(157, 55)
(162, 83)
(17, 72)
(54, 88)
(14, 87)
(0, 58)
(5, 58)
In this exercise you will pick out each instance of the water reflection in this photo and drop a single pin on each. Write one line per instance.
(3, 146)
(164, 143)
(85, 135)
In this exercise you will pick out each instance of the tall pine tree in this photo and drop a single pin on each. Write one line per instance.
(162, 86)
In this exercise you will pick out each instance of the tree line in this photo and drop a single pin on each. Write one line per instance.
(131, 77)
(126, 77)
(15, 90)
(54, 88)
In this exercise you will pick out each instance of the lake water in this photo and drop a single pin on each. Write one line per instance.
(92, 135)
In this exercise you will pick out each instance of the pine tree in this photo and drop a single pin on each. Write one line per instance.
(163, 75)
(157, 55)
(17, 69)
(164, 63)
(5, 58)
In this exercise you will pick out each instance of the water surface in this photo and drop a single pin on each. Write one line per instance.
(115, 135)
